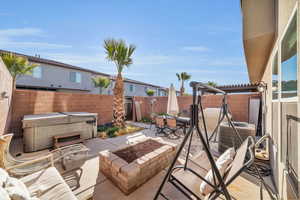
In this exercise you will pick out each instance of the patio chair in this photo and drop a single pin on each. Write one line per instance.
(173, 126)
(152, 120)
(22, 167)
(160, 125)
(44, 184)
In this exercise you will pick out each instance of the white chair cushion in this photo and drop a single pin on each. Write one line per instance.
(48, 184)
(227, 157)
(3, 194)
(222, 163)
(3, 177)
(16, 189)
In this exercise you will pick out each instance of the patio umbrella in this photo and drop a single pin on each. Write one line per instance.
(173, 108)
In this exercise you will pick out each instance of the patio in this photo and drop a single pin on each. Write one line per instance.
(94, 185)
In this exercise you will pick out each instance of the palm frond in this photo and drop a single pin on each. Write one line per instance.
(178, 76)
(17, 65)
(100, 81)
(119, 53)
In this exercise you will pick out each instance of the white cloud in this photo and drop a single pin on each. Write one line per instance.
(196, 48)
(21, 32)
(8, 39)
(38, 45)
(5, 14)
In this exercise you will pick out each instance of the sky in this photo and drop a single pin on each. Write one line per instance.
(200, 37)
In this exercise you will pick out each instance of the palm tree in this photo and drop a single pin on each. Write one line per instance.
(17, 66)
(118, 52)
(182, 77)
(211, 83)
(101, 82)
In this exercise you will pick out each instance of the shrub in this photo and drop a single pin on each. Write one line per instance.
(150, 92)
(146, 120)
(111, 132)
(102, 128)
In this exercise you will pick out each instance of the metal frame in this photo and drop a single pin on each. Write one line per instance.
(292, 174)
(221, 188)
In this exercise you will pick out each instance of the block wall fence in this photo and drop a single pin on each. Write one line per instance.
(26, 102)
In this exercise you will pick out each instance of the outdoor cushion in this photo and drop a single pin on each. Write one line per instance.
(3, 177)
(3, 194)
(222, 163)
(48, 184)
(16, 189)
(227, 157)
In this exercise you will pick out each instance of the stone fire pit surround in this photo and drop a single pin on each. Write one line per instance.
(129, 176)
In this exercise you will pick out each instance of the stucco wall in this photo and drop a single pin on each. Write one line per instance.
(56, 77)
(276, 110)
(5, 100)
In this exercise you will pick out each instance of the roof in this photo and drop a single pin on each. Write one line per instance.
(139, 82)
(52, 62)
(38, 59)
(248, 87)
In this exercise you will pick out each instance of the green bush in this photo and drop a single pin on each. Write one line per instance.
(111, 131)
(102, 128)
(146, 120)
(150, 92)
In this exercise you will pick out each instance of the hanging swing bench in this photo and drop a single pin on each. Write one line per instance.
(204, 168)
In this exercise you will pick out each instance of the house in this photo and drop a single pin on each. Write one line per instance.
(57, 76)
(271, 45)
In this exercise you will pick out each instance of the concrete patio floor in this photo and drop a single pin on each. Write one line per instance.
(94, 185)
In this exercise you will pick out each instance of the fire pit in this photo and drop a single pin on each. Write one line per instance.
(130, 167)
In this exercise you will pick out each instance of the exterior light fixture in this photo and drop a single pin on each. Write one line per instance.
(262, 87)
(4, 95)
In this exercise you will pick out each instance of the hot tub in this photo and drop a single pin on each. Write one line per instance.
(228, 138)
(38, 130)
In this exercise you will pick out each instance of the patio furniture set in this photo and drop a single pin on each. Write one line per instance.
(170, 125)
(141, 159)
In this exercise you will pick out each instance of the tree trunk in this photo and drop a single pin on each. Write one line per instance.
(118, 103)
(182, 88)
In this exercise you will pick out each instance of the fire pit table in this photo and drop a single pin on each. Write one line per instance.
(131, 166)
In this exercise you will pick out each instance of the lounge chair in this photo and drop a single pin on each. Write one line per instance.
(46, 184)
(23, 167)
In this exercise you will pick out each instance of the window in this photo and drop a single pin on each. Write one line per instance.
(75, 77)
(37, 72)
(275, 78)
(131, 88)
(289, 61)
(145, 88)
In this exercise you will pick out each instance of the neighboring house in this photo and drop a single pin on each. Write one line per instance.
(271, 44)
(56, 76)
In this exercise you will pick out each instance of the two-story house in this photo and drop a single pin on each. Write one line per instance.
(57, 76)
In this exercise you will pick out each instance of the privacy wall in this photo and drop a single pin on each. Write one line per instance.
(27, 102)
(238, 104)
